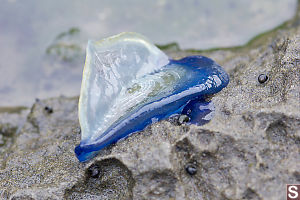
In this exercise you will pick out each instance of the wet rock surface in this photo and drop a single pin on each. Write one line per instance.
(249, 150)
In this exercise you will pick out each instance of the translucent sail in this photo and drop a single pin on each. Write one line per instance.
(111, 66)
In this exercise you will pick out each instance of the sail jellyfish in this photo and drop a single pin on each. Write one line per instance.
(128, 83)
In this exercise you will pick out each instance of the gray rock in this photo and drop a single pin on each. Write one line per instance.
(250, 149)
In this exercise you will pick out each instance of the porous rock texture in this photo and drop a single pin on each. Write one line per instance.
(249, 150)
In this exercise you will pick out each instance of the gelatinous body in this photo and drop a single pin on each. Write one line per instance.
(199, 111)
(128, 83)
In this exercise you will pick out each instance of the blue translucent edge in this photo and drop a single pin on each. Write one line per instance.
(201, 67)
(199, 111)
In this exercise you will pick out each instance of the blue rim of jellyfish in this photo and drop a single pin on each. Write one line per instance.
(202, 68)
(199, 111)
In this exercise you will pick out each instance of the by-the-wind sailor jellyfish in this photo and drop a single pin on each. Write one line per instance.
(128, 83)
